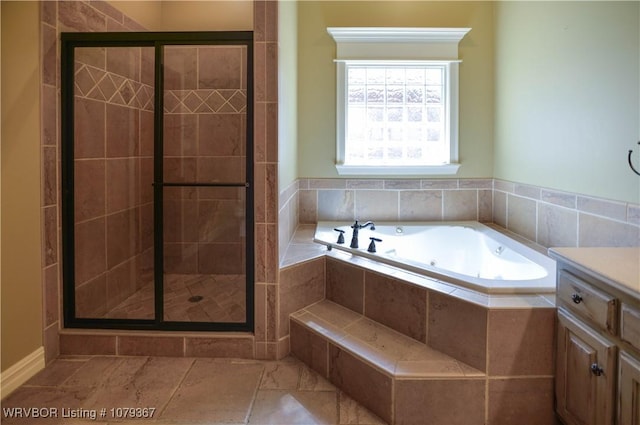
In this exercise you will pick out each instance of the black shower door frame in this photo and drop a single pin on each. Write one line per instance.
(157, 40)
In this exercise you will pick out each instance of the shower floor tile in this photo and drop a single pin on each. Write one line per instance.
(221, 298)
(184, 391)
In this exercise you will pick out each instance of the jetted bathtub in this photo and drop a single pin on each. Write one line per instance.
(466, 253)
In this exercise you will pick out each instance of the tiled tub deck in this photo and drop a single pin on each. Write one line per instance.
(416, 350)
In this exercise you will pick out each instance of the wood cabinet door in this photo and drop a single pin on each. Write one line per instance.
(585, 374)
(629, 388)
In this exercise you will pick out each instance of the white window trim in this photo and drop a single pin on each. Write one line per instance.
(398, 46)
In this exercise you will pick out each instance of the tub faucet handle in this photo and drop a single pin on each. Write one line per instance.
(372, 245)
(340, 236)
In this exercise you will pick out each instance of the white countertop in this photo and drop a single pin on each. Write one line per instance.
(619, 267)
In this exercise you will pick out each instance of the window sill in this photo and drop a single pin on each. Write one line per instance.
(379, 170)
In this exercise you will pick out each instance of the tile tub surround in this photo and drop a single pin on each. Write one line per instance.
(560, 219)
(459, 348)
(407, 382)
(545, 216)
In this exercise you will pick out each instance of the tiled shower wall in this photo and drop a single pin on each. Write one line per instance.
(265, 21)
(87, 16)
(71, 16)
(547, 217)
(114, 144)
(204, 141)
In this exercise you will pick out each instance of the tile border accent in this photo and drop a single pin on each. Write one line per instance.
(205, 101)
(124, 91)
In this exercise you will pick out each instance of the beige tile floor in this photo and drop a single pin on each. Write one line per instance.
(184, 391)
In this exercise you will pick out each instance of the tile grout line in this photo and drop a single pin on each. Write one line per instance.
(175, 390)
(337, 392)
(487, 365)
(255, 394)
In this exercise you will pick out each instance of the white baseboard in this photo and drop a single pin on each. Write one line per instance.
(21, 372)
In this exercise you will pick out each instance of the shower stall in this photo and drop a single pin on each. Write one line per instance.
(157, 178)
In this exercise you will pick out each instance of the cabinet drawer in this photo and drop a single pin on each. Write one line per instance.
(630, 325)
(588, 302)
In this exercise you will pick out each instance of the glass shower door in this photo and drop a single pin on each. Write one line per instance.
(204, 183)
(157, 174)
(113, 175)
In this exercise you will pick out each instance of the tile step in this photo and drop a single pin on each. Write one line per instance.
(400, 379)
(390, 352)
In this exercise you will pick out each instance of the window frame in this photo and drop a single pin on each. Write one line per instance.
(398, 47)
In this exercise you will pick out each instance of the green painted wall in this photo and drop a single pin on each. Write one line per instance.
(317, 74)
(287, 94)
(568, 96)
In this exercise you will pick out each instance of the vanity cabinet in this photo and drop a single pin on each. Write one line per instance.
(585, 374)
(598, 336)
(629, 378)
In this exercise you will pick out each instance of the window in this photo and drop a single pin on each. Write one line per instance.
(396, 115)
(397, 110)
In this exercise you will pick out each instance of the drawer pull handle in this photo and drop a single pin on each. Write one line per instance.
(576, 298)
(596, 370)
